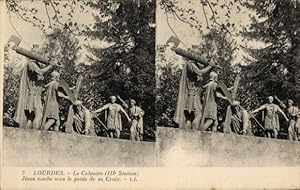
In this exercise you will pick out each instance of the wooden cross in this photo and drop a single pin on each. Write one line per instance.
(231, 97)
(73, 98)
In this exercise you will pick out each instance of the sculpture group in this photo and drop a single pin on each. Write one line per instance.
(198, 111)
(194, 110)
(33, 113)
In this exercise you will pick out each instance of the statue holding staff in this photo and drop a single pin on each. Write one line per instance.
(292, 113)
(271, 117)
(114, 122)
(136, 114)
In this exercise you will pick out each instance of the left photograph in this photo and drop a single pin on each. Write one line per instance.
(79, 83)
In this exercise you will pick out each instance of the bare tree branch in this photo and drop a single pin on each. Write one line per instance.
(215, 20)
(205, 15)
(48, 14)
(57, 20)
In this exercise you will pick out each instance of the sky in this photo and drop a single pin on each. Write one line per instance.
(33, 35)
(191, 36)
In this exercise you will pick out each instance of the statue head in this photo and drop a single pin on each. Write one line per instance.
(213, 76)
(35, 48)
(55, 75)
(113, 99)
(132, 102)
(78, 102)
(270, 99)
(235, 103)
(290, 102)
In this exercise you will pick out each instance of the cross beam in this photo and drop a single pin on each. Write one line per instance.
(69, 122)
(231, 97)
(188, 54)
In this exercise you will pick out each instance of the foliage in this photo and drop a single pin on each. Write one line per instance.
(217, 14)
(218, 46)
(273, 70)
(59, 14)
(124, 67)
(10, 98)
(168, 78)
(64, 47)
(127, 66)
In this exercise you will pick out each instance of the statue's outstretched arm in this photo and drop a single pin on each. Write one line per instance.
(259, 109)
(101, 109)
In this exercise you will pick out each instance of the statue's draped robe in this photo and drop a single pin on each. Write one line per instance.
(114, 117)
(240, 120)
(82, 120)
(179, 117)
(271, 116)
(210, 105)
(136, 114)
(29, 92)
(298, 121)
(189, 93)
(51, 107)
(292, 114)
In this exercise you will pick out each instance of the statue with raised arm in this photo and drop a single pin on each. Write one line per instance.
(189, 108)
(29, 108)
(136, 114)
(188, 111)
(114, 122)
(271, 117)
(209, 118)
(292, 113)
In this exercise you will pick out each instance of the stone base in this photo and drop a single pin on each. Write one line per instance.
(178, 147)
(26, 147)
(173, 147)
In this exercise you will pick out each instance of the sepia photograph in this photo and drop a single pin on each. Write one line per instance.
(228, 78)
(79, 82)
(150, 94)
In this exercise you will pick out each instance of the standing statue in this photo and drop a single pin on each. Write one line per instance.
(240, 123)
(51, 107)
(136, 114)
(271, 117)
(292, 113)
(114, 122)
(209, 117)
(188, 112)
(29, 108)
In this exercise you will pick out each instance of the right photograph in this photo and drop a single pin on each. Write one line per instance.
(228, 83)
